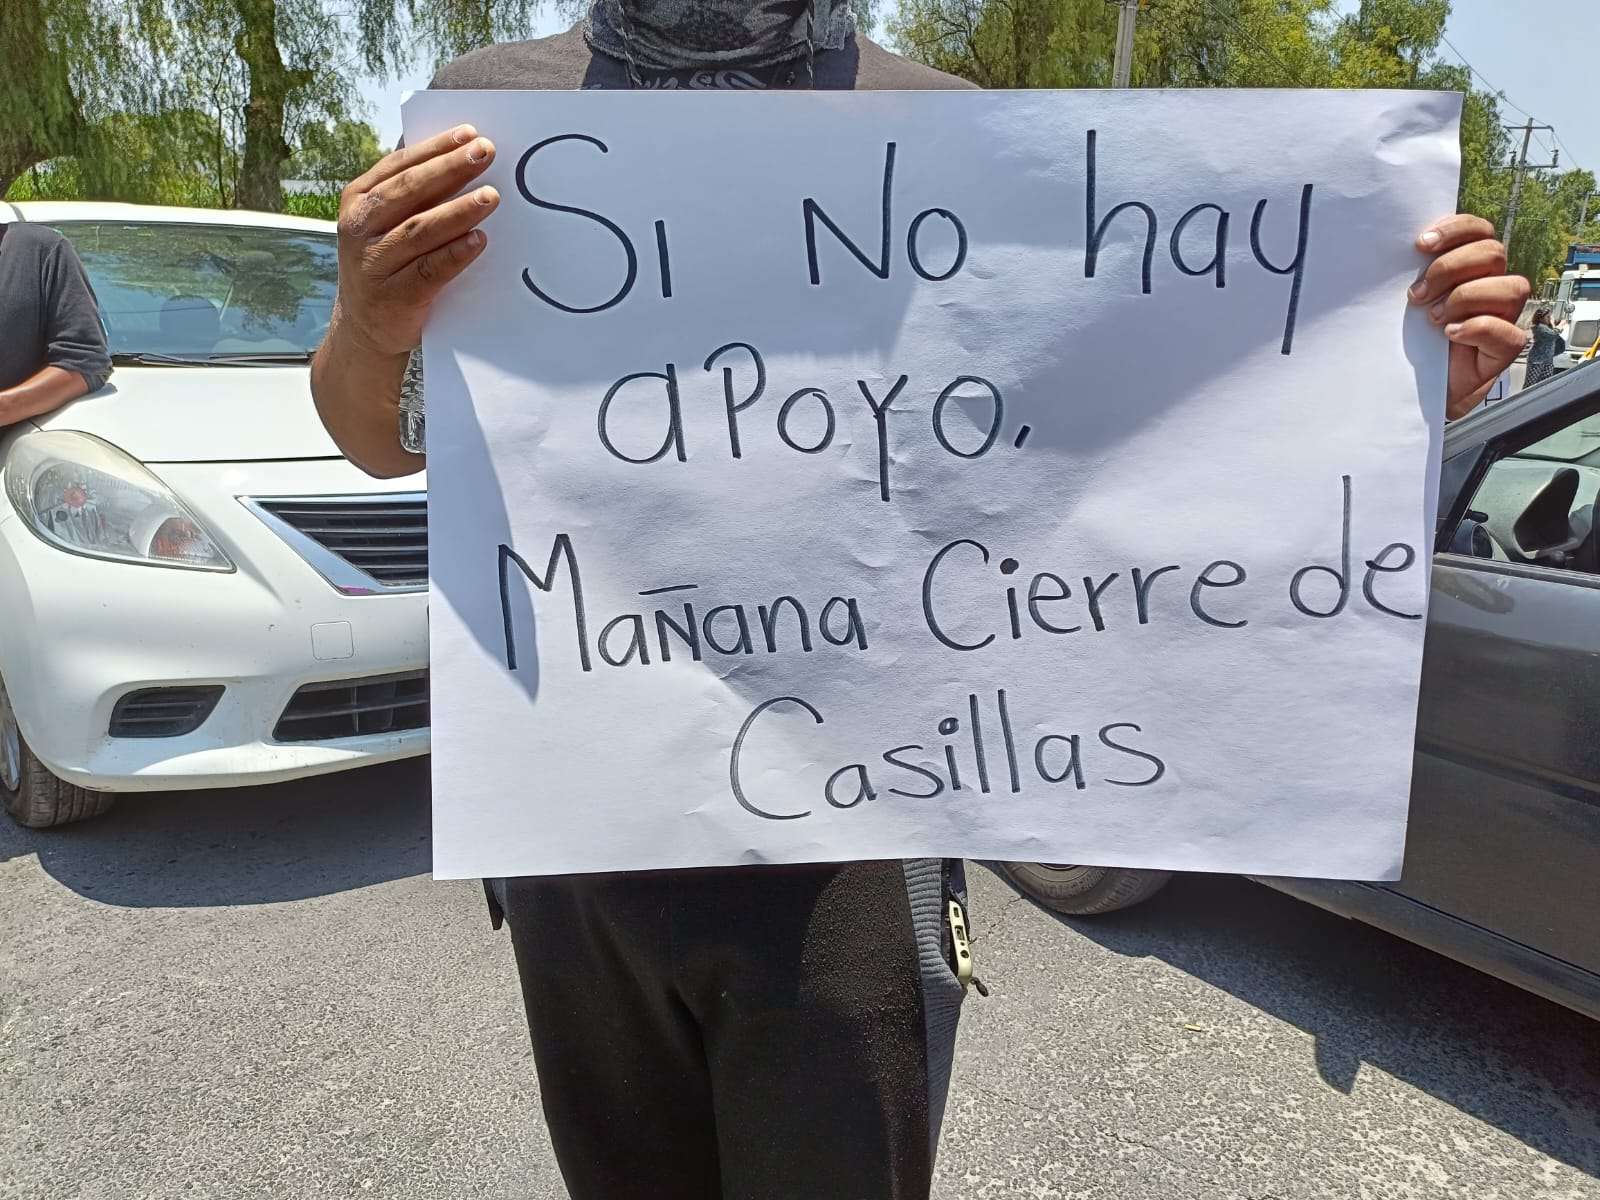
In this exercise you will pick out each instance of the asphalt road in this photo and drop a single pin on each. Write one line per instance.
(260, 994)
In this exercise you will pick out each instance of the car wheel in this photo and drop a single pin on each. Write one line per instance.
(33, 796)
(1085, 891)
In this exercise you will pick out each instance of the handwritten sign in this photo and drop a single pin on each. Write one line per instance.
(1036, 476)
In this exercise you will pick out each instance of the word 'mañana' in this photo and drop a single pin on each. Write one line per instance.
(1125, 215)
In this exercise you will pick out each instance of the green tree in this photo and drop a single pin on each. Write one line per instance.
(392, 34)
(1256, 43)
(64, 65)
(337, 151)
(172, 151)
(78, 76)
(262, 70)
(1389, 43)
(1069, 43)
(208, 78)
(1548, 221)
(273, 86)
(1009, 43)
(1235, 43)
(41, 114)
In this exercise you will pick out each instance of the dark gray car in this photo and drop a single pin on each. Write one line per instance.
(1502, 867)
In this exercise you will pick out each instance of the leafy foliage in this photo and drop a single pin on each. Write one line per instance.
(324, 206)
(143, 158)
(335, 152)
(390, 35)
(212, 102)
(264, 75)
(64, 66)
(1256, 43)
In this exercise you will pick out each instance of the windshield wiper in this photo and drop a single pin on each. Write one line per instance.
(149, 359)
(146, 358)
(267, 356)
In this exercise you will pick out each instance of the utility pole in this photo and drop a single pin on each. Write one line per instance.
(1583, 213)
(1122, 65)
(1520, 168)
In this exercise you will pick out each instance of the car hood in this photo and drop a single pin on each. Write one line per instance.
(203, 414)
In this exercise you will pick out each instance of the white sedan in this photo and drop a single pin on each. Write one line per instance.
(198, 590)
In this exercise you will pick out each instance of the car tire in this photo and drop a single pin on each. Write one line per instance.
(1085, 891)
(32, 795)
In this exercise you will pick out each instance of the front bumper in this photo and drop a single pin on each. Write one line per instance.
(80, 633)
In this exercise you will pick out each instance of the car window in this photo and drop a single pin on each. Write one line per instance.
(1583, 334)
(1537, 504)
(196, 290)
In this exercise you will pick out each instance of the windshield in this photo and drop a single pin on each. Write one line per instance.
(1577, 441)
(192, 291)
(1586, 289)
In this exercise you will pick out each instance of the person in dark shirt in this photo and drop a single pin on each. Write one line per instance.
(753, 1033)
(786, 1032)
(52, 348)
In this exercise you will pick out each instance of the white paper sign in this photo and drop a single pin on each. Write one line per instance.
(1040, 476)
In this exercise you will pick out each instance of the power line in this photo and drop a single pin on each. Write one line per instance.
(1500, 94)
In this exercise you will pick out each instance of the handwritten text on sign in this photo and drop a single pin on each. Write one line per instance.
(1028, 476)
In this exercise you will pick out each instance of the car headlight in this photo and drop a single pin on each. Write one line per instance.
(86, 496)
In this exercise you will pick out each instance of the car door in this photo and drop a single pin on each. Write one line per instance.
(1505, 808)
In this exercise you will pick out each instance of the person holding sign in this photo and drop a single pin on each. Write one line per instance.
(766, 1032)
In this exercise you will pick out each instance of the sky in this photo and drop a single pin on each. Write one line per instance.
(1518, 45)
(1526, 51)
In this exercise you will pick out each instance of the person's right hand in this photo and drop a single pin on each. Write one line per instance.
(404, 233)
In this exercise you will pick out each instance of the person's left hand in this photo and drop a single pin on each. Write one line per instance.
(1467, 291)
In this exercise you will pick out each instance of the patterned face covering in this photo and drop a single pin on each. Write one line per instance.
(675, 35)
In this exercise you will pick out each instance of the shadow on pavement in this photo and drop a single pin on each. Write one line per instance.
(256, 845)
(1518, 1062)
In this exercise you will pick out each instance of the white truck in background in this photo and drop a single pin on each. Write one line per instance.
(1581, 333)
(1579, 280)
(1575, 299)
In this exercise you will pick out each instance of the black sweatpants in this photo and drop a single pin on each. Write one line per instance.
(765, 1033)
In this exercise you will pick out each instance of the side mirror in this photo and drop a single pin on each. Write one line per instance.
(1471, 537)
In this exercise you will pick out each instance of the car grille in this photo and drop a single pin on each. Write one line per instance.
(385, 538)
(341, 708)
(163, 712)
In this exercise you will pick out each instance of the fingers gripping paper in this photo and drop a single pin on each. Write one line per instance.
(1011, 475)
